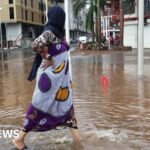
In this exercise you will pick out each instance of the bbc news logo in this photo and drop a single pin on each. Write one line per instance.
(7, 134)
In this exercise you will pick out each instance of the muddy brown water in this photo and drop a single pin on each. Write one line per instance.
(111, 116)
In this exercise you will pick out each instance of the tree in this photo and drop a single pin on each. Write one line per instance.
(77, 6)
(100, 6)
(90, 17)
(95, 7)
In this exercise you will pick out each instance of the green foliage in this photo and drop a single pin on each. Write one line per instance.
(89, 18)
(100, 2)
(80, 4)
(128, 6)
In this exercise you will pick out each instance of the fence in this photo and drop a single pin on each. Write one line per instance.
(111, 30)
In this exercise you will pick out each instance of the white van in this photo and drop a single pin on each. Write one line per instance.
(83, 39)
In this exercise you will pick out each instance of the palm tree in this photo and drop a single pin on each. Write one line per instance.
(77, 6)
(94, 10)
(90, 17)
(100, 6)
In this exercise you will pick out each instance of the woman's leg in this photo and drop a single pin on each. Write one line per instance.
(19, 141)
(76, 135)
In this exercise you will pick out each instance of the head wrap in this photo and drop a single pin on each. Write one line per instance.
(56, 21)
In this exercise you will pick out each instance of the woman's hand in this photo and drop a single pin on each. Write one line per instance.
(46, 63)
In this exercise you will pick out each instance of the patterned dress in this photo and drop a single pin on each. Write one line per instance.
(52, 101)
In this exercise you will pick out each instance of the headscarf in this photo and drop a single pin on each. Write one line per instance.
(56, 21)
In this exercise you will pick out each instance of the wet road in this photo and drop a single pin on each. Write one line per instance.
(111, 116)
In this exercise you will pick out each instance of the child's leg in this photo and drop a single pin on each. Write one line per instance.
(19, 141)
(75, 134)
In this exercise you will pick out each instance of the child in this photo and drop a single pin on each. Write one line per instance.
(81, 48)
(52, 104)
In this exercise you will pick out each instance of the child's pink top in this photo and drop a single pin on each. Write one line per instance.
(81, 46)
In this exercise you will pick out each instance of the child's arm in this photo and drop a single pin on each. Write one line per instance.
(47, 59)
(46, 63)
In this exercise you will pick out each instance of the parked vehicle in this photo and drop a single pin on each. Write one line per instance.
(83, 39)
(90, 39)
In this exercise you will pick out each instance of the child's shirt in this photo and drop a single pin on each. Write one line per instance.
(45, 39)
(81, 46)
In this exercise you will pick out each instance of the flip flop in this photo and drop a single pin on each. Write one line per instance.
(24, 148)
(15, 146)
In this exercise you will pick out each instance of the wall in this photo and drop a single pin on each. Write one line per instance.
(36, 13)
(4, 13)
(131, 34)
(147, 36)
(13, 31)
(18, 6)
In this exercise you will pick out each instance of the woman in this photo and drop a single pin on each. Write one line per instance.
(52, 104)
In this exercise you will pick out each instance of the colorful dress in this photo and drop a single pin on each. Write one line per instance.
(52, 101)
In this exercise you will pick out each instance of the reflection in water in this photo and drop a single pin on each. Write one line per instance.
(141, 88)
(103, 85)
(110, 117)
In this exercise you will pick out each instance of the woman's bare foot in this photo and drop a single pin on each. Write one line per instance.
(76, 135)
(18, 143)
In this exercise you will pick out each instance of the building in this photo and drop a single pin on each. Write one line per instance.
(130, 8)
(131, 23)
(21, 19)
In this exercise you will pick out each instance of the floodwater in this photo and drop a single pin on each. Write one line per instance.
(113, 115)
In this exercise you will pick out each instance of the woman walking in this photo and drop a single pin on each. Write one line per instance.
(52, 101)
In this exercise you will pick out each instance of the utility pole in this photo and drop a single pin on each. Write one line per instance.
(141, 39)
(99, 22)
(121, 24)
(2, 56)
(67, 30)
(46, 10)
(1, 28)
